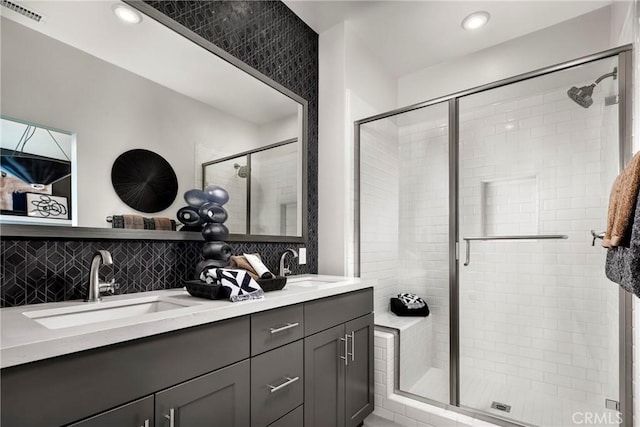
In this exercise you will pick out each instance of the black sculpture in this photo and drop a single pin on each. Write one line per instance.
(205, 213)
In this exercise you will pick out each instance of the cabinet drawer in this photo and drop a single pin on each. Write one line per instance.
(294, 418)
(328, 312)
(277, 383)
(274, 328)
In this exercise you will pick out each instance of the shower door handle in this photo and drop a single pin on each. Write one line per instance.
(468, 240)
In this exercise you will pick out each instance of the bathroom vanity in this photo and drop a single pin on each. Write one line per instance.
(300, 356)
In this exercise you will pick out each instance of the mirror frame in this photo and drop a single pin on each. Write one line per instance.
(88, 233)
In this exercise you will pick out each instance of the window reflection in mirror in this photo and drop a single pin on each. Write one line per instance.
(37, 180)
(180, 101)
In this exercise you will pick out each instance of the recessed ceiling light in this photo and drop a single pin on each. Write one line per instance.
(475, 20)
(126, 14)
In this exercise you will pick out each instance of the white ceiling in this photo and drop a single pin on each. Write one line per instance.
(409, 36)
(179, 65)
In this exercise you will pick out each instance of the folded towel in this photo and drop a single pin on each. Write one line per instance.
(623, 263)
(622, 202)
(238, 283)
(240, 262)
(411, 301)
(261, 270)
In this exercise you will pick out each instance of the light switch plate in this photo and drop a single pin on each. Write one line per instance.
(302, 256)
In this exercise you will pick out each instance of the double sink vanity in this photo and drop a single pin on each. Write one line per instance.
(299, 356)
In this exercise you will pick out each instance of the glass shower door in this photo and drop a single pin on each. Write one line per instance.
(404, 240)
(538, 318)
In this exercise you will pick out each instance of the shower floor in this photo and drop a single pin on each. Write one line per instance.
(526, 406)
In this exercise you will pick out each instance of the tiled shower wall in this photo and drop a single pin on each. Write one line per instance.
(270, 38)
(539, 314)
(379, 252)
(424, 222)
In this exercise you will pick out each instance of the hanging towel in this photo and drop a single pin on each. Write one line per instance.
(162, 223)
(133, 221)
(623, 263)
(411, 301)
(622, 204)
(238, 283)
(139, 222)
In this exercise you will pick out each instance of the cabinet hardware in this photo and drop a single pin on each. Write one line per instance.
(171, 418)
(353, 345)
(346, 352)
(283, 385)
(146, 423)
(283, 328)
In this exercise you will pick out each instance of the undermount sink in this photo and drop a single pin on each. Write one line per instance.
(59, 318)
(309, 282)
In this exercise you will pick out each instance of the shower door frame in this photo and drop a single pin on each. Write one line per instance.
(624, 55)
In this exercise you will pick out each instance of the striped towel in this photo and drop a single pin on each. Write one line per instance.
(239, 283)
(411, 301)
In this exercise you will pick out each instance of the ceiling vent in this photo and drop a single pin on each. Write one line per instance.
(21, 10)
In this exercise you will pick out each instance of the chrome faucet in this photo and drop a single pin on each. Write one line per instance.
(283, 269)
(96, 286)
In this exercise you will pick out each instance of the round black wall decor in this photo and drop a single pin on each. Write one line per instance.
(144, 180)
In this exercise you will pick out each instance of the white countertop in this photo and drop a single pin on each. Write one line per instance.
(24, 340)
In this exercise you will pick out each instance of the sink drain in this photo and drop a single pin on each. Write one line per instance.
(501, 406)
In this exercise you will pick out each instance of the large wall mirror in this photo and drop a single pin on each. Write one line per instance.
(154, 86)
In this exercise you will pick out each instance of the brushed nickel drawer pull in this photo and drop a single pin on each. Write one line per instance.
(284, 384)
(353, 345)
(171, 418)
(284, 328)
(346, 352)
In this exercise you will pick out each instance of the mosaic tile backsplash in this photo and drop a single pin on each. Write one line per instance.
(36, 271)
(270, 38)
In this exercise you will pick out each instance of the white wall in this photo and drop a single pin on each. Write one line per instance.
(578, 37)
(112, 111)
(331, 152)
(353, 85)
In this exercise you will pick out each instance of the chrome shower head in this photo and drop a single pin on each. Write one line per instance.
(582, 96)
(243, 171)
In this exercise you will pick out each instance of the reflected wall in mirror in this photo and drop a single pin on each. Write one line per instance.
(265, 185)
(81, 69)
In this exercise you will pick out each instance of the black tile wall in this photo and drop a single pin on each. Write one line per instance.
(270, 38)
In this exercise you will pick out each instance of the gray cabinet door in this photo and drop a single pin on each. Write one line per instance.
(220, 398)
(134, 414)
(324, 378)
(359, 372)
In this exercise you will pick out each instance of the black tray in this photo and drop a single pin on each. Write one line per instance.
(200, 289)
(274, 284)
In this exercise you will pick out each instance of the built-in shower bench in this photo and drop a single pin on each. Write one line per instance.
(414, 344)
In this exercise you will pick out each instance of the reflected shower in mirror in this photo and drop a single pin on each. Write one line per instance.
(162, 93)
(264, 187)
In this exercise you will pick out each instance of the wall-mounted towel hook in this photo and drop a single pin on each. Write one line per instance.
(596, 236)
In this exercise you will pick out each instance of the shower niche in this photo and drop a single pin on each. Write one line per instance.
(264, 189)
(509, 206)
